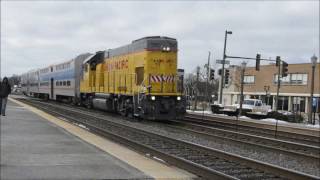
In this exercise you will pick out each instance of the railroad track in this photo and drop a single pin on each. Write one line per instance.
(305, 157)
(296, 150)
(206, 162)
(234, 125)
(278, 146)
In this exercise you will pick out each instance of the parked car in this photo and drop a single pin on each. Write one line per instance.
(249, 106)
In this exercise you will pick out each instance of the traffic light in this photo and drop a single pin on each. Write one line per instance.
(258, 62)
(226, 77)
(220, 72)
(278, 60)
(284, 69)
(211, 74)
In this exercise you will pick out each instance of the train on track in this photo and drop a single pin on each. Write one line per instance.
(139, 79)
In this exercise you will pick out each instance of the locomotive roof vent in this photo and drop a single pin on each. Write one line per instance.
(153, 37)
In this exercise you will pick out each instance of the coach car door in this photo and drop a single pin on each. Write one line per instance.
(51, 86)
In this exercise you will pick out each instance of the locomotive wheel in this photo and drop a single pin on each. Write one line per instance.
(122, 108)
(129, 110)
(88, 102)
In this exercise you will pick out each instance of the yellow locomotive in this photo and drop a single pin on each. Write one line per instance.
(139, 79)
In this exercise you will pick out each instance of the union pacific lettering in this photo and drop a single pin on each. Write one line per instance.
(157, 61)
(116, 65)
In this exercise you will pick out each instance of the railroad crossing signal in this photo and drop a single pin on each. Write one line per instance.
(211, 74)
(278, 60)
(220, 72)
(284, 69)
(258, 58)
(226, 76)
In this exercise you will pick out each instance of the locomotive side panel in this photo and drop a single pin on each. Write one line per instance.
(120, 73)
(87, 80)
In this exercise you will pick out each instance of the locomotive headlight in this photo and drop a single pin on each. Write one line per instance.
(178, 98)
(166, 49)
(153, 98)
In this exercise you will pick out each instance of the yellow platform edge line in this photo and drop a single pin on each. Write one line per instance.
(150, 167)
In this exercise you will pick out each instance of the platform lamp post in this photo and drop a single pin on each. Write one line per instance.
(313, 62)
(197, 88)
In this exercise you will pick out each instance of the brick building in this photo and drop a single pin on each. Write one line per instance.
(294, 94)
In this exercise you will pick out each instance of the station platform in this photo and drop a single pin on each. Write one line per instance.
(36, 145)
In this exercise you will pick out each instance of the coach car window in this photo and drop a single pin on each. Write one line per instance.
(57, 83)
(68, 83)
(64, 83)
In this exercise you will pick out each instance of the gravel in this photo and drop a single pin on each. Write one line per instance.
(253, 152)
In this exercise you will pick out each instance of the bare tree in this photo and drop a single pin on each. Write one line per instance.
(14, 80)
(197, 89)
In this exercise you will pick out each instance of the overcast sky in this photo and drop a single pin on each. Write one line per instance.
(36, 34)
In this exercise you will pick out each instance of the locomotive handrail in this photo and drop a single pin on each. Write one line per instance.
(139, 91)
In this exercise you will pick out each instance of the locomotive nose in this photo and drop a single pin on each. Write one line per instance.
(166, 104)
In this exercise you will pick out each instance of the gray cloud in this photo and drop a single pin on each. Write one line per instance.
(35, 34)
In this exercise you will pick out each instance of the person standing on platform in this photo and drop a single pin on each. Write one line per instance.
(0, 97)
(5, 90)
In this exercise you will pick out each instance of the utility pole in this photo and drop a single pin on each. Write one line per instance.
(278, 63)
(197, 84)
(223, 62)
(278, 87)
(313, 66)
(208, 76)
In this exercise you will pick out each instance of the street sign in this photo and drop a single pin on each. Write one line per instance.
(220, 61)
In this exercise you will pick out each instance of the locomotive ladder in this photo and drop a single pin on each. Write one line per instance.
(137, 99)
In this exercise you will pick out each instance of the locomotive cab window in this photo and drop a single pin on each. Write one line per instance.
(93, 66)
(139, 74)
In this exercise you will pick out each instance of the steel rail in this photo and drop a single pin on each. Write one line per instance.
(279, 146)
(293, 148)
(259, 131)
(312, 153)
